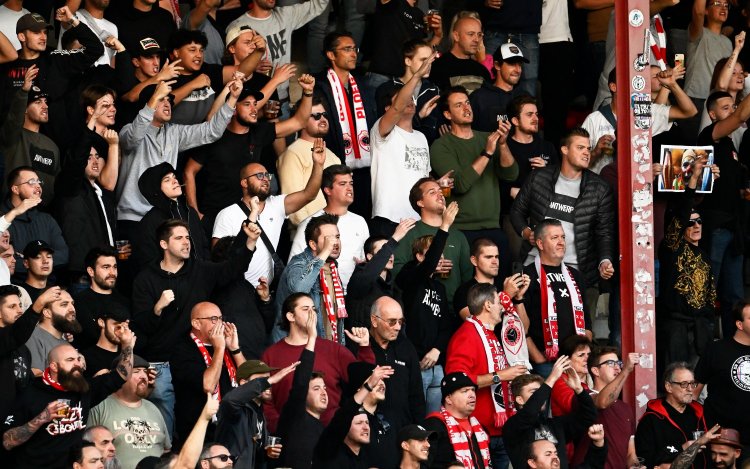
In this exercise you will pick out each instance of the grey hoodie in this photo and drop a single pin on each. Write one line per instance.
(145, 145)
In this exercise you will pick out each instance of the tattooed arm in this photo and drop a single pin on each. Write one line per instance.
(17, 436)
(685, 459)
(610, 392)
(127, 342)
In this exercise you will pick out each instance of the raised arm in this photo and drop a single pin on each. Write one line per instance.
(725, 76)
(191, 450)
(16, 436)
(403, 98)
(609, 393)
(199, 14)
(683, 107)
(110, 171)
(8, 53)
(297, 200)
(304, 108)
(695, 28)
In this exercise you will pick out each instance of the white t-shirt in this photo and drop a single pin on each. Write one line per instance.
(106, 26)
(8, 20)
(555, 24)
(353, 232)
(398, 161)
(229, 221)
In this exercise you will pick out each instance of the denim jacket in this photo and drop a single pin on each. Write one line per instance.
(301, 275)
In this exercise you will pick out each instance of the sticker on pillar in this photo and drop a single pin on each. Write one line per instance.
(640, 63)
(641, 104)
(635, 18)
(638, 83)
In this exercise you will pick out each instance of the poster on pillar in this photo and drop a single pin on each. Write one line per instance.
(677, 163)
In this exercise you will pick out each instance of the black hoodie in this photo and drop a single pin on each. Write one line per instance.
(144, 242)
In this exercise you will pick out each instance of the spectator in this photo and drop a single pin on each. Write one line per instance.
(6, 249)
(295, 167)
(58, 317)
(16, 327)
(139, 19)
(102, 438)
(485, 257)
(21, 140)
(139, 426)
(543, 455)
(480, 161)
(578, 349)
(86, 456)
(426, 198)
(151, 139)
(242, 427)
(668, 424)
(427, 312)
(490, 101)
(425, 120)
(372, 278)
(99, 357)
(726, 403)
(337, 185)
(531, 393)
(475, 350)
(165, 292)
(270, 213)
(564, 312)
(685, 458)
(277, 24)
(349, 137)
(450, 424)
(30, 225)
(726, 449)
(161, 188)
(101, 296)
(37, 259)
(206, 361)
(400, 155)
(215, 456)
(91, 14)
(457, 67)
(588, 222)
(60, 401)
(203, 18)
(10, 12)
(415, 446)
(241, 144)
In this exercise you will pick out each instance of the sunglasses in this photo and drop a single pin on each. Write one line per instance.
(221, 457)
(318, 115)
(694, 221)
(261, 176)
(392, 322)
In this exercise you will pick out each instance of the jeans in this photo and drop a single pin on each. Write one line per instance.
(543, 369)
(371, 83)
(354, 22)
(726, 265)
(529, 44)
(431, 379)
(163, 395)
(498, 453)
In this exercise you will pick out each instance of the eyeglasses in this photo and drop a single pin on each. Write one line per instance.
(32, 182)
(261, 176)
(685, 384)
(612, 363)
(694, 221)
(318, 115)
(213, 319)
(349, 49)
(719, 4)
(221, 457)
(391, 322)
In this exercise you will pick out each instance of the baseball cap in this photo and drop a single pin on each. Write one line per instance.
(35, 93)
(138, 362)
(114, 311)
(236, 31)
(415, 432)
(509, 52)
(35, 247)
(147, 47)
(454, 381)
(32, 21)
(729, 437)
(253, 367)
(358, 372)
(249, 90)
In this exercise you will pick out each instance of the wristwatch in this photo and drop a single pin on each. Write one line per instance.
(495, 378)
(486, 154)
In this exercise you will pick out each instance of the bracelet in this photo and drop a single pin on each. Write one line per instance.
(307, 95)
(486, 154)
(367, 386)
(235, 352)
(516, 302)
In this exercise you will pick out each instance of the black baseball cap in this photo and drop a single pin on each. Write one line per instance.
(36, 93)
(454, 381)
(32, 22)
(115, 311)
(415, 432)
(147, 47)
(249, 90)
(34, 248)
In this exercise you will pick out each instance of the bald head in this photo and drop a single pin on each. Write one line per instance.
(203, 318)
(203, 309)
(386, 319)
(250, 169)
(60, 352)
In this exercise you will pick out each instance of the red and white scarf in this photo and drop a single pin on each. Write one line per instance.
(353, 128)
(549, 309)
(658, 45)
(47, 379)
(513, 334)
(495, 361)
(334, 314)
(461, 441)
(228, 362)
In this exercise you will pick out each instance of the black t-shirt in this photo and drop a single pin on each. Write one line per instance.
(523, 152)
(723, 206)
(222, 162)
(725, 368)
(449, 71)
(33, 292)
(134, 25)
(490, 102)
(194, 108)
(394, 23)
(98, 359)
(462, 293)
(89, 306)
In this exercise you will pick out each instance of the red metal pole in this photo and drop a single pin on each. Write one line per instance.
(635, 204)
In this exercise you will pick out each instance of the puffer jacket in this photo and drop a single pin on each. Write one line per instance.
(594, 217)
(145, 245)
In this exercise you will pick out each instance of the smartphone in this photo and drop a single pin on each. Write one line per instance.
(679, 59)
(517, 268)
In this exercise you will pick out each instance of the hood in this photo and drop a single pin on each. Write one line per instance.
(150, 185)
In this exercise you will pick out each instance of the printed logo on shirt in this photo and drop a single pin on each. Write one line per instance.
(416, 159)
(9, 420)
(276, 44)
(200, 94)
(140, 434)
(561, 207)
(741, 372)
(672, 449)
(42, 159)
(399, 362)
(72, 422)
(432, 300)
